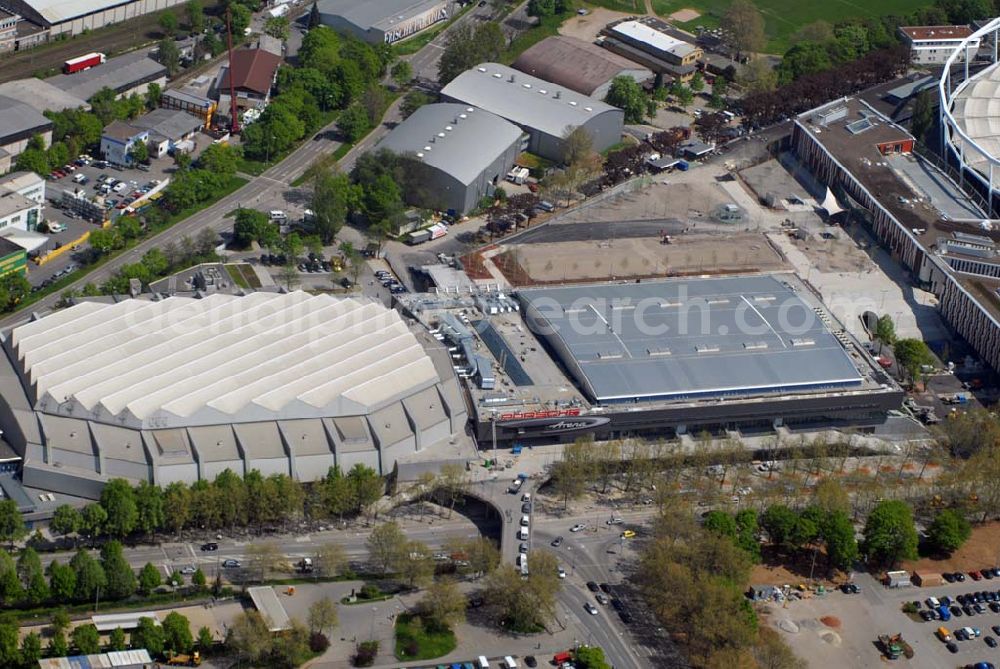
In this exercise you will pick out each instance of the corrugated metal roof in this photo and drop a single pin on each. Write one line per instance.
(576, 64)
(119, 74)
(58, 11)
(17, 117)
(690, 338)
(41, 95)
(525, 100)
(442, 136)
(380, 14)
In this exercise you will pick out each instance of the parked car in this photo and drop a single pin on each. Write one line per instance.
(188, 569)
(578, 527)
(990, 641)
(231, 564)
(948, 576)
(590, 608)
(557, 542)
(210, 546)
(614, 521)
(975, 575)
(592, 586)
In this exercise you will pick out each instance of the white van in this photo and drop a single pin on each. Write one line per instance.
(483, 662)
(509, 663)
(522, 533)
(277, 215)
(524, 521)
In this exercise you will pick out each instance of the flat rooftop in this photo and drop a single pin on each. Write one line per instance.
(933, 208)
(119, 74)
(689, 339)
(379, 14)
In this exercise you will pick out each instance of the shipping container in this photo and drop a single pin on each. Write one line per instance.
(84, 62)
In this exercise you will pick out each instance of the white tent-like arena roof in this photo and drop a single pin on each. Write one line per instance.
(220, 359)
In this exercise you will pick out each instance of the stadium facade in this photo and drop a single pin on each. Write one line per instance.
(180, 389)
(383, 21)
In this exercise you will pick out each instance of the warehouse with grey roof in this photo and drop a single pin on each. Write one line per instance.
(383, 21)
(461, 153)
(180, 389)
(72, 17)
(546, 111)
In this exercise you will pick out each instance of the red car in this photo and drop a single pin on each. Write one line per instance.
(975, 575)
(533, 187)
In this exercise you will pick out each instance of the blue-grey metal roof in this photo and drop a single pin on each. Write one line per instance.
(696, 338)
(457, 139)
(525, 100)
(18, 117)
(119, 74)
(380, 14)
(911, 88)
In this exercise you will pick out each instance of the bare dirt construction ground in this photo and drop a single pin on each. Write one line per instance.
(831, 255)
(981, 550)
(685, 15)
(779, 569)
(588, 26)
(690, 201)
(638, 257)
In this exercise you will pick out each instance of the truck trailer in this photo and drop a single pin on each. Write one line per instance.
(85, 62)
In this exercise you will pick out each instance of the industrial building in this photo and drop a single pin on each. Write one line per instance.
(655, 44)
(168, 129)
(439, 138)
(932, 228)
(549, 113)
(41, 95)
(8, 30)
(180, 389)
(19, 122)
(118, 141)
(125, 75)
(383, 21)
(580, 66)
(932, 45)
(655, 359)
(22, 196)
(72, 17)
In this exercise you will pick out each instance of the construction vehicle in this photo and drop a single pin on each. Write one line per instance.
(183, 660)
(894, 646)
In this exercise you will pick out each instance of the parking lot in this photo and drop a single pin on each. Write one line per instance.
(840, 630)
(89, 179)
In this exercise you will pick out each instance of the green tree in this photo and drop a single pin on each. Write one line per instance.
(467, 47)
(118, 501)
(195, 13)
(780, 523)
(721, 523)
(177, 633)
(10, 585)
(323, 616)
(62, 581)
(94, 519)
(29, 565)
(885, 331)
(387, 547)
(412, 101)
(219, 159)
(11, 522)
(116, 639)
(121, 580)
(149, 579)
(402, 73)
(31, 649)
(149, 635)
(205, 640)
(922, 119)
(249, 637)
(277, 27)
(90, 576)
(86, 639)
(149, 497)
(838, 536)
(590, 657)
(169, 55)
(757, 76)
(626, 93)
(33, 160)
(890, 535)
(239, 19)
(331, 200)
(168, 22)
(353, 123)
(9, 653)
(442, 606)
(911, 355)
(803, 59)
(367, 486)
(697, 83)
(177, 506)
(249, 227)
(744, 28)
(198, 579)
(57, 645)
(314, 17)
(948, 531)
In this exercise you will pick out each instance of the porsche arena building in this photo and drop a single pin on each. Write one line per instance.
(664, 358)
(182, 388)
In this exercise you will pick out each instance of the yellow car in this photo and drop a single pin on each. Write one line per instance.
(628, 534)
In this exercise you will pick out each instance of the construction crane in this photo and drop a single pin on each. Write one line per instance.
(234, 118)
